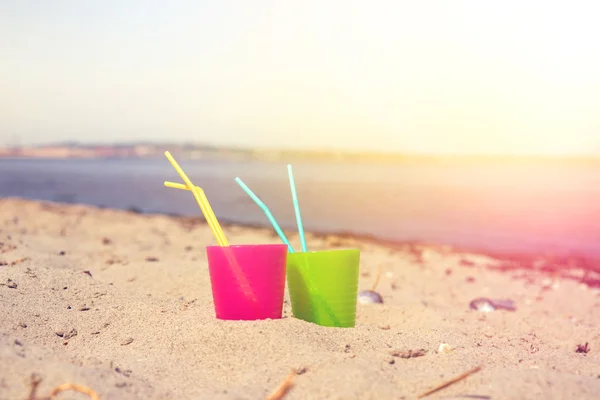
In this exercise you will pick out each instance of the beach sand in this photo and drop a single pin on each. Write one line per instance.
(121, 303)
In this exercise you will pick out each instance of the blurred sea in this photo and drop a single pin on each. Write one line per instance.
(546, 207)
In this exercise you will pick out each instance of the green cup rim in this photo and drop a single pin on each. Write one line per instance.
(326, 251)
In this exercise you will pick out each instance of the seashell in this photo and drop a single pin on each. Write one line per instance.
(369, 297)
(488, 305)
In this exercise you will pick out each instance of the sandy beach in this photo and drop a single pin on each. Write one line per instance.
(121, 303)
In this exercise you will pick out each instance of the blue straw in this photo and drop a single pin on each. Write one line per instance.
(265, 209)
(297, 208)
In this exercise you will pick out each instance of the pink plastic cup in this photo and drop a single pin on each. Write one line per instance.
(256, 290)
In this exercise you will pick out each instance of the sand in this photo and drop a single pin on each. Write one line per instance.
(121, 302)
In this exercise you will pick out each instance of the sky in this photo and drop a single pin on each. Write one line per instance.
(434, 77)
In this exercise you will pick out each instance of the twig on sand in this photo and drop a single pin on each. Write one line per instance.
(450, 382)
(280, 392)
(377, 278)
(76, 388)
(14, 262)
(36, 380)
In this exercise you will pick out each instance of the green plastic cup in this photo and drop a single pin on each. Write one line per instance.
(323, 286)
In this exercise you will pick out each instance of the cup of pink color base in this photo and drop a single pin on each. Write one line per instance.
(248, 281)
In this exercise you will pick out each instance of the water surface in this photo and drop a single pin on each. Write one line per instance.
(499, 206)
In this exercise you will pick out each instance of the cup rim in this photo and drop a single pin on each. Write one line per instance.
(239, 246)
(327, 251)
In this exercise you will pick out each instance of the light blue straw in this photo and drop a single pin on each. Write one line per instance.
(297, 208)
(267, 212)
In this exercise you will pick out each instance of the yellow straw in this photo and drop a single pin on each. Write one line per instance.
(213, 223)
(200, 197)
(176, 185)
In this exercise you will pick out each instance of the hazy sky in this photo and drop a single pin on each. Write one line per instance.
(412, 76)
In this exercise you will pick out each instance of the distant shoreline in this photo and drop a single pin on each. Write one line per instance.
(204, 152)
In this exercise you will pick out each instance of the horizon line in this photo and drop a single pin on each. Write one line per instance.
(313, 150)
